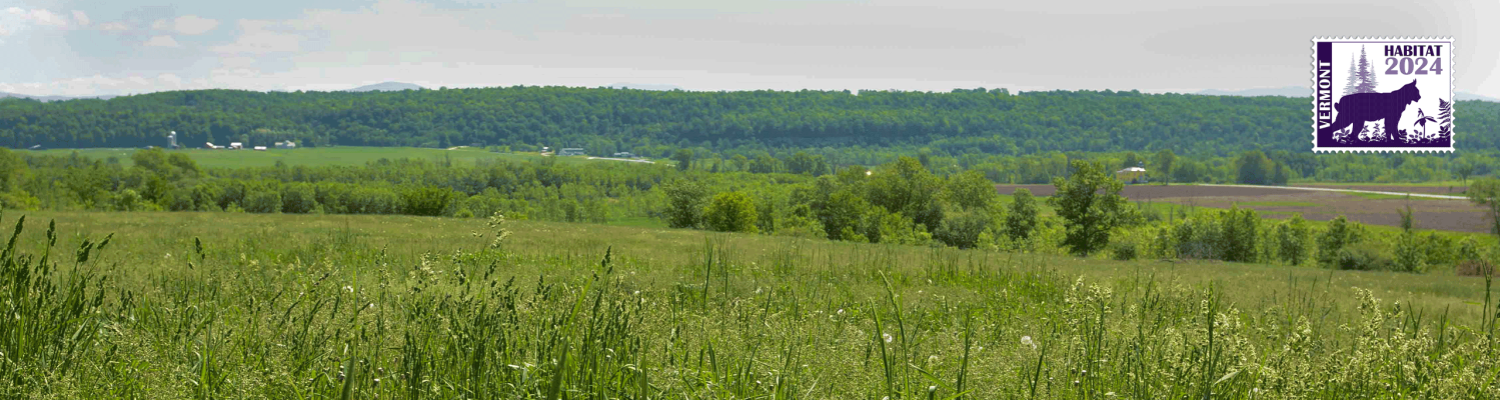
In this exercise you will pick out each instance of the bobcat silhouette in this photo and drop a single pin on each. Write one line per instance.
(1358, 108)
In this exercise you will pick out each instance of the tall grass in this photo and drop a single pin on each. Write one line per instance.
(347, 316)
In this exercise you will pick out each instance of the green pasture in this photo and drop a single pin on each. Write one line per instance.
(319, 156)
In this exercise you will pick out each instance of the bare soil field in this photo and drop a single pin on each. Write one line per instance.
(1449, 215)
(1450, 190)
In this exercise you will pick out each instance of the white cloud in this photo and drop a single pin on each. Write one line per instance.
(261, 37)
(159, 24)
(194, 25)
(83, 19)
(37, 17)
(114, 26)
(47, 18)
(3, 31)
(162, 41)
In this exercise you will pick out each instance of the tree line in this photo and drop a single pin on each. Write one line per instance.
(900, 202)
(608, 120)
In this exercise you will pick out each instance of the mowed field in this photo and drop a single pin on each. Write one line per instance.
(1376, 209)
(319, 156)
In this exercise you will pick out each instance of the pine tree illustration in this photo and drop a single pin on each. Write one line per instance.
(1353, 81)
(1367, 82)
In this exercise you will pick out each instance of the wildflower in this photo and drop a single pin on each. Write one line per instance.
(841, 311)
(932, 359)
(1026, 341)
(887, 337)
(349, 288)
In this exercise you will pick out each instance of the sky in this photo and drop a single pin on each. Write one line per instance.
(77, 48)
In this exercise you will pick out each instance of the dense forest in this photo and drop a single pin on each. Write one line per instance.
(653, 122)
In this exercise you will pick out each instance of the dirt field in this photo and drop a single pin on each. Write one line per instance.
(1453, 190)
(1451, 215)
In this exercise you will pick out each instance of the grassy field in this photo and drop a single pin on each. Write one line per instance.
(221, 305)
(318, 156)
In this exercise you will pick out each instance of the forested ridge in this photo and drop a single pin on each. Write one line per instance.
(990, 121)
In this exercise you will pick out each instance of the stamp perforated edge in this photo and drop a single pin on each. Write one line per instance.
(1452, 90)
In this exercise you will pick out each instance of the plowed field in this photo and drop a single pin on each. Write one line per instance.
(1441, 214)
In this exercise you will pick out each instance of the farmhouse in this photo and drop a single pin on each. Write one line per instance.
(1131, 175)
(571, 152)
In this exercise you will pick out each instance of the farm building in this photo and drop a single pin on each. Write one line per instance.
(260, 148)
(571, 152)
(1131, 175)
(211, 145)
(624, 154)
(286, 145)
(236, 145)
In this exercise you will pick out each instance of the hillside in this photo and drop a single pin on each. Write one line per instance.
(386, 87)
(994, 122)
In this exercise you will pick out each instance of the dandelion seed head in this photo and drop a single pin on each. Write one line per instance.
(886, 336)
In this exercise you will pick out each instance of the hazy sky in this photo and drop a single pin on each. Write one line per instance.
(60, 47)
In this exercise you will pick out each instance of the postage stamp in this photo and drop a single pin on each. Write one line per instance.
(1382, 95)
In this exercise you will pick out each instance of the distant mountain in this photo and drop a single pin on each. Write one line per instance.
(1470, 96)
(645, 86)
(1289, 91)
(1299, 91)
(386, 87)
(44, 99)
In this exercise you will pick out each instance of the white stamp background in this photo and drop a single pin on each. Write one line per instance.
(1432, 87)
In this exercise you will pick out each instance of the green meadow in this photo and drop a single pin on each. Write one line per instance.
(236, 305)
(317, 156)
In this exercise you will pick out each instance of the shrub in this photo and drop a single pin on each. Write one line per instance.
(1439, 249)
(1239, 234)
(731, 212)
(1468, 250)
(428, 201)
(1021, 221)
(1340, 233)
(127, 200)
(962, 229)
(1124, 250)
(1291, 240)
(684, 203)
(1409, 255)
(178, 200)
(1364, 256)
(298, 198)
(263, 201)
(1198, 237)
